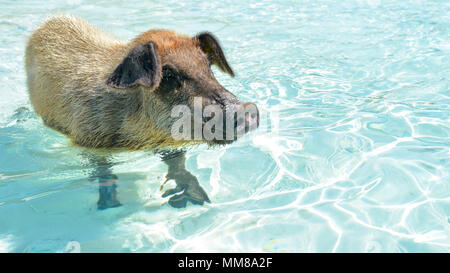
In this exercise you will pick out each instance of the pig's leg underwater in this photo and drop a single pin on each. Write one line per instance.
(187, 188)
(107, 182)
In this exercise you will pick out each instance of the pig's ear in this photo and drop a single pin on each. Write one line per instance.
(142, 66)
(211, 47)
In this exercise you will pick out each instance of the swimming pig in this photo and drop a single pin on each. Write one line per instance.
(105, 93)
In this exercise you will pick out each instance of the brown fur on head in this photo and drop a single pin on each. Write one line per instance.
(170, 43)
(103, 92)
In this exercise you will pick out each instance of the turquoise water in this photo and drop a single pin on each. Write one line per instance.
(353, 154)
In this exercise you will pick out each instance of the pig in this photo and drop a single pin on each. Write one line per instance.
(107, 94)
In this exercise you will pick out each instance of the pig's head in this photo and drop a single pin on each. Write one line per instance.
(173, 72)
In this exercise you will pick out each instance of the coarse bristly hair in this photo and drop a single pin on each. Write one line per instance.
(68, 62)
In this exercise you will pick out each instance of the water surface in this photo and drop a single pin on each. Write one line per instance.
(354, 154)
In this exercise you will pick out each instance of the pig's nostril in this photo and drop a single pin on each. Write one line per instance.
(247, 118)
(253, 117)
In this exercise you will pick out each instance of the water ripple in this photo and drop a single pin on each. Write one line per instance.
(352, 154)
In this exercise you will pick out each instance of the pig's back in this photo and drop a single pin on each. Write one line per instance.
(65, 58)
(67, 46)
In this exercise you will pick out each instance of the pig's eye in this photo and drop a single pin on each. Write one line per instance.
(171, 79)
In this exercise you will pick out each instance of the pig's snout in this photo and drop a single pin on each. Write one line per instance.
(249, 120)
(241, 118)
